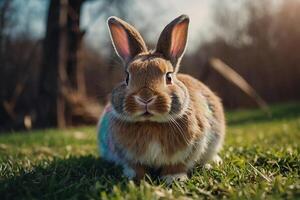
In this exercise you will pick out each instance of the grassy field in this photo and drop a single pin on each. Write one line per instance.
(261, 161)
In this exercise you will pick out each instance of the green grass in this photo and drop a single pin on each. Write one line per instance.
(261, 161)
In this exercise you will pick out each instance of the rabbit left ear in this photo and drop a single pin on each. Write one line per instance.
(126, 40)
(173, 39)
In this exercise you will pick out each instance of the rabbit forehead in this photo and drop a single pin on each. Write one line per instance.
(147, 65)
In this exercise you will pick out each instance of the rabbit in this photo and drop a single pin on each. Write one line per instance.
(158, 118)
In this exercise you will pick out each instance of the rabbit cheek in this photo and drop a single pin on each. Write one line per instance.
(179, 100)
(131, 107)
(176, 105)
(117, 99)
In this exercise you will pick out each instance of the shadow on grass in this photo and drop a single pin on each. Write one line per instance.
(72, 178)
(278, 112)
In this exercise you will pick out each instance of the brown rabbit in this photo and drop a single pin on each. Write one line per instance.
(158, 118)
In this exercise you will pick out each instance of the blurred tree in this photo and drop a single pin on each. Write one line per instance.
(61, 77)
(4, 8)
(62, 93)
(49, 91)
(49, 78)
(260, 41)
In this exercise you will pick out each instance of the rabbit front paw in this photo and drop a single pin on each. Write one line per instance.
(170, 178)
(134, 171)
(129, 172)
(217, 160)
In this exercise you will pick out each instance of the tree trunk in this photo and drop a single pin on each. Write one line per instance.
(73, 69)
(48, 84)
(74, 42)
(63, 82)
(60, 74)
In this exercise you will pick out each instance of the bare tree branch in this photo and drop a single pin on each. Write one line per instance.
(232, 76)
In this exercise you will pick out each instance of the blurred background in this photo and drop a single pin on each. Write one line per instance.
(57, 65)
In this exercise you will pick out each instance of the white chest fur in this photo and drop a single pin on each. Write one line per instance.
(153, 153)
(156, 156)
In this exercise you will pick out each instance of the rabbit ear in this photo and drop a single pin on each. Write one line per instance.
(126, 40)
(173, 39)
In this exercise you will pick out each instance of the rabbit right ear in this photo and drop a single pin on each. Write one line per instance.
(126, 40)
(173, 39)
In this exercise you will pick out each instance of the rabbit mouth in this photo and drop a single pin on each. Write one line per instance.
(147, 114)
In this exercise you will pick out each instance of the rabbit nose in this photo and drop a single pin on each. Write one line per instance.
(145, 101)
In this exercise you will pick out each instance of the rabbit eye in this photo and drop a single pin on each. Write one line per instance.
(169, 78)
(127, 78)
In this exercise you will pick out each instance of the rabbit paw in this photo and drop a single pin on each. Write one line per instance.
(129, 172)
(217, 160)
(169, 179)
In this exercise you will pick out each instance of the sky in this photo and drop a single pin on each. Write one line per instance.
(148, 16)
(156, 14)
